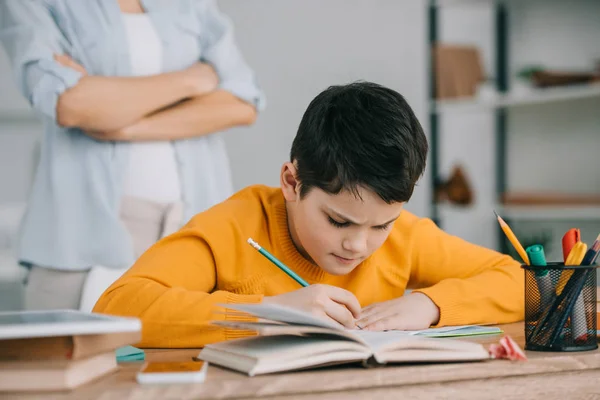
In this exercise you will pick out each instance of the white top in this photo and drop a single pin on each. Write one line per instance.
(152, 173)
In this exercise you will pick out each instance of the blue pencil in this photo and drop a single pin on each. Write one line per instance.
(278, 263)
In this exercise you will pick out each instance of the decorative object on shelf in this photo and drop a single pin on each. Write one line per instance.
(542, 77)
(456, 190)
(458, 71)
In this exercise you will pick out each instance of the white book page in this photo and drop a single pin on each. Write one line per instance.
(300, 318)
(390, 342)
(283, 314)
(379, 340)
(283, 348)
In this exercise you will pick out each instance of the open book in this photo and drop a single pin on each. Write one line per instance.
(289, 339)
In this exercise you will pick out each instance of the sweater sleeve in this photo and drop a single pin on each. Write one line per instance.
(470, 284)
(171, 289)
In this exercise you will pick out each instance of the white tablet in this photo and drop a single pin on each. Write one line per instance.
(32, 324)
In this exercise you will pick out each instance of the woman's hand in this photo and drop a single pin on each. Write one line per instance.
(120, 135)
(68, 62)
(199, 79)
(202, 78)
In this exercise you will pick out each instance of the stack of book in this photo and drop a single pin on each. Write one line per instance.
(60, 350)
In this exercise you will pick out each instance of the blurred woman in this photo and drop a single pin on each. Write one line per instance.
(132, 95)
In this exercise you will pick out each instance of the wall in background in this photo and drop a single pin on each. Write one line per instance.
(299, 48)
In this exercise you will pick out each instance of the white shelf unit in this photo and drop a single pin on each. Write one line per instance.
(551, 212)
(449, 3)
(510, 97)
(535, 212)
(521, 98)
(452, 3)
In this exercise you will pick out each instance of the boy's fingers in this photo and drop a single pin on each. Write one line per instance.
(384, 324)
(340, 313)
(367, 308)
(387, 322)
(373, 305)
(346, 298)
(368, 311)
(374, 317)
(366, 321)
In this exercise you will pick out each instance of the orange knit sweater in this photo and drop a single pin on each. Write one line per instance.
(176, 288)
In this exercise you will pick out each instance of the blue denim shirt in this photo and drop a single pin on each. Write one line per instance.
(72, 221)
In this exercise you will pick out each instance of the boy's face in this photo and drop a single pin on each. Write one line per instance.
(336, 232)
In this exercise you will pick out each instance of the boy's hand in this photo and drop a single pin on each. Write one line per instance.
(324, 301)
(411, 312)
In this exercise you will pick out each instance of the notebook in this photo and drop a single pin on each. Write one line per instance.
(289, 339)
(130, 354)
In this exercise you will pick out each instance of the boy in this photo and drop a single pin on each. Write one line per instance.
(337, 221)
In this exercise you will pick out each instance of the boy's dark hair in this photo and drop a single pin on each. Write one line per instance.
(360, 134)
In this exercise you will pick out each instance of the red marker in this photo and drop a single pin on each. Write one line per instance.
(572, 236)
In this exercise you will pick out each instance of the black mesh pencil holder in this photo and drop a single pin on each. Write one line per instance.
(560, 307)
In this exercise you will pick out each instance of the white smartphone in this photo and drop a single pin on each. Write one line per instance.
(172, 372)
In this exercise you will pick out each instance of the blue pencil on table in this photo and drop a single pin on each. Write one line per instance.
(278, 263)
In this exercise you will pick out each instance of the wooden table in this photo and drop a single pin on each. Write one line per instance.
(544, 376)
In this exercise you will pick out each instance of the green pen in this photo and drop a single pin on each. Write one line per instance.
(278, 263)
(538, 258)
